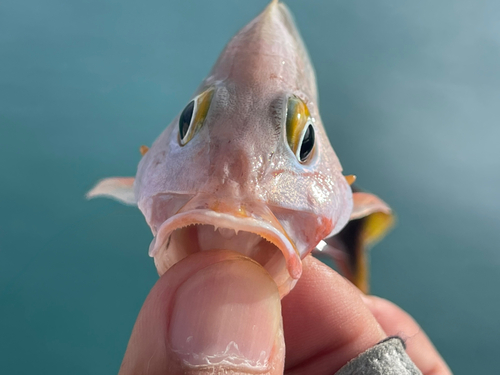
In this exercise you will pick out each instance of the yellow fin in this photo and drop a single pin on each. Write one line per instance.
(143, 149)
(370, 220)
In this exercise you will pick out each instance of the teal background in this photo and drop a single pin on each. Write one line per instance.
(409, 92)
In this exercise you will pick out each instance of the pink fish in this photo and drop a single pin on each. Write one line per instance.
(247, 166)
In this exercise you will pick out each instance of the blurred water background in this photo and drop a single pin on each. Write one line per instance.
(409, 93)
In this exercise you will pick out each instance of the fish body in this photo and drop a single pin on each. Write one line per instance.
(247, 164)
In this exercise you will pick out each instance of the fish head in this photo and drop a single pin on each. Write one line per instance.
(247, 165)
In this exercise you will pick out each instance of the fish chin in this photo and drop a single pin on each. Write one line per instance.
(203, 230)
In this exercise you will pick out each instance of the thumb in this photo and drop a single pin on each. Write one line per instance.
(213, 312)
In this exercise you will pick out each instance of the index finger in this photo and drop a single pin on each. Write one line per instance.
(325, 321)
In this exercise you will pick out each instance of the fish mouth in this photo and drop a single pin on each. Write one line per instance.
(251, 231)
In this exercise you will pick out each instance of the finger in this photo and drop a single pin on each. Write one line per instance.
(325, 321)
(213, 312)
(395, 321)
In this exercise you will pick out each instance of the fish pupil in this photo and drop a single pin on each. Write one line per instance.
(185, 119)
(307, 143)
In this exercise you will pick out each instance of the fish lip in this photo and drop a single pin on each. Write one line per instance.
(225, 220)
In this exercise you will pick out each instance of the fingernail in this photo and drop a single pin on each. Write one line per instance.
(227, 314)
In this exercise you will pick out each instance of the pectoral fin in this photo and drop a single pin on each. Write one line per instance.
(119, 188)
(371, 219)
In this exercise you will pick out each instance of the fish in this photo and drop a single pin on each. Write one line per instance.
(247, 166)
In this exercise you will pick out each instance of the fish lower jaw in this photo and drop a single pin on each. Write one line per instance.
(204, 230)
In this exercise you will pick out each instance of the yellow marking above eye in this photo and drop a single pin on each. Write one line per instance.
(193, 116)
(299, 129)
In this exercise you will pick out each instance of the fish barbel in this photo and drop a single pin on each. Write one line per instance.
(247, 166)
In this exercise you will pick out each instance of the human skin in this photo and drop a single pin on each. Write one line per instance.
(212, 298)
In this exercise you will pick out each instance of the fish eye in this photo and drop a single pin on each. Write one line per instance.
(307, 143)
(185, 120)
(299, 129)
(193, 116)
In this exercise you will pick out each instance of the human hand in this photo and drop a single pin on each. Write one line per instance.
(214, 298)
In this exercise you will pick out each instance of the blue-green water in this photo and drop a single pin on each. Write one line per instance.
(410, 94)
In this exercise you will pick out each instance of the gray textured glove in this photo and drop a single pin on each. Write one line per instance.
(386, 358)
